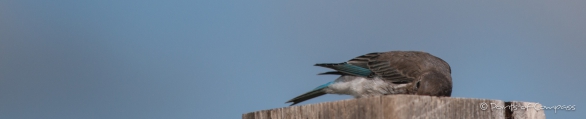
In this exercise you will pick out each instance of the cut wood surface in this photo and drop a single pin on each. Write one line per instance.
(405, 107)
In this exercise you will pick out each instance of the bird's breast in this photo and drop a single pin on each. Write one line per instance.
(362, 86)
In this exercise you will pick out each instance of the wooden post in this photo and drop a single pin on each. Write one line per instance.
(406, 107)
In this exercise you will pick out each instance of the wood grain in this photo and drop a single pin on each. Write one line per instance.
(403, 107)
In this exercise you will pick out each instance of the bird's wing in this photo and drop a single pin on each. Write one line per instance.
(357, 66)
(388, 65)
(345, 69)
(387, 71)
(363, 60)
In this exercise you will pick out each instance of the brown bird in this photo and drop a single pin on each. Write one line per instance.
(386, 73)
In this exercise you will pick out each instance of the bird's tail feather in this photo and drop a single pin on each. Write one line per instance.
(345, 68)
(319, 91)
(332, 73)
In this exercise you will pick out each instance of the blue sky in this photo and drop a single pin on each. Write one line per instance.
(68, 59)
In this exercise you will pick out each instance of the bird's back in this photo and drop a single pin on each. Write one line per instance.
(423, 73)
(431, 75)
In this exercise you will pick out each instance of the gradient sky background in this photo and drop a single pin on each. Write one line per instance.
(137, 59)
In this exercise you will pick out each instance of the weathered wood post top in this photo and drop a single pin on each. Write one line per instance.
(406, 107)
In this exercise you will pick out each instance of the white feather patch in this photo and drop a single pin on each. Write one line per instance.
(361, 86)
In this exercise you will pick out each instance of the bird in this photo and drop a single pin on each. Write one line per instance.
(385, 73)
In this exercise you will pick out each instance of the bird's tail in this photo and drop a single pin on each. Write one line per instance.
(346, 69)
(319, 91)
